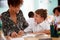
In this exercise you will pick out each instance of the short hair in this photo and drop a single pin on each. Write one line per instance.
(31, 14)
(15, 2)
(42, 13)
(57, 8)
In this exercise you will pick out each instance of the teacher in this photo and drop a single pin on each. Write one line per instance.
(13, 21)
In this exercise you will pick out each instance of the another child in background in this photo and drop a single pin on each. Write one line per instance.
(56, 12)
(31, 17)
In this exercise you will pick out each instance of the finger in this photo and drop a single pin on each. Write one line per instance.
(13, 35)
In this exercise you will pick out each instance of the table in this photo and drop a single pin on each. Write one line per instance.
(55, 38)
(33, 37)
(39, 38)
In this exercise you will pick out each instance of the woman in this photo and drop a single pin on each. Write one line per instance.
(13, 19)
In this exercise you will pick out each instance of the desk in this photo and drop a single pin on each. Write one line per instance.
(56, 38)
(26, 37)
(34, 38)
(39, 38)
(31, 37)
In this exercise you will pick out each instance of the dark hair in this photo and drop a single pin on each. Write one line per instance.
(31, 14)
(15, 2)
(42, 13)
(57, 8)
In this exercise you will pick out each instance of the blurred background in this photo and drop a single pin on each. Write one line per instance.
(32, 5)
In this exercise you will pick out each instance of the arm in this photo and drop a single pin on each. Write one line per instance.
(58, 23)
(28, 29)
(25, 24)
(5, 25)
(46, 31)
(42, 32)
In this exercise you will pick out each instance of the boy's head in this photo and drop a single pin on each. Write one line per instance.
(31, 14)
(56, 11)
(40, 15)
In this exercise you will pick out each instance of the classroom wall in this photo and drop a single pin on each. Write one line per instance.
(46, 4)
(32, 5)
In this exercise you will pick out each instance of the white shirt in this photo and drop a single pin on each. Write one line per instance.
(30, 21)
(38, 27)
(57, 19)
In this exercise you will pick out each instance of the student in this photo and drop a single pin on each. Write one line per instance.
(56, 12)
(41, 25)
(31, 17)
(13, 21)
(31, 14)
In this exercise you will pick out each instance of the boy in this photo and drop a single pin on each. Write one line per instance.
(56, 12)
(31, 17)
(40, 25)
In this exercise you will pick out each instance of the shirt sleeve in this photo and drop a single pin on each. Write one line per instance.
(45, 25)
(25, 24)
(28, 29)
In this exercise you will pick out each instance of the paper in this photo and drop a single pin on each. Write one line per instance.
(29, 35)
(17, 38)
(22, 38)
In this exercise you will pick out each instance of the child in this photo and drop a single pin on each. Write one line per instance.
(41, 25)
(31, 18)
(56, 12)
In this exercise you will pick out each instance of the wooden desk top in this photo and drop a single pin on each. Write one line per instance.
(33, 38)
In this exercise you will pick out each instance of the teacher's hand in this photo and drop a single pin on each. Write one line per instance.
(14, 34)
(21, 32)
